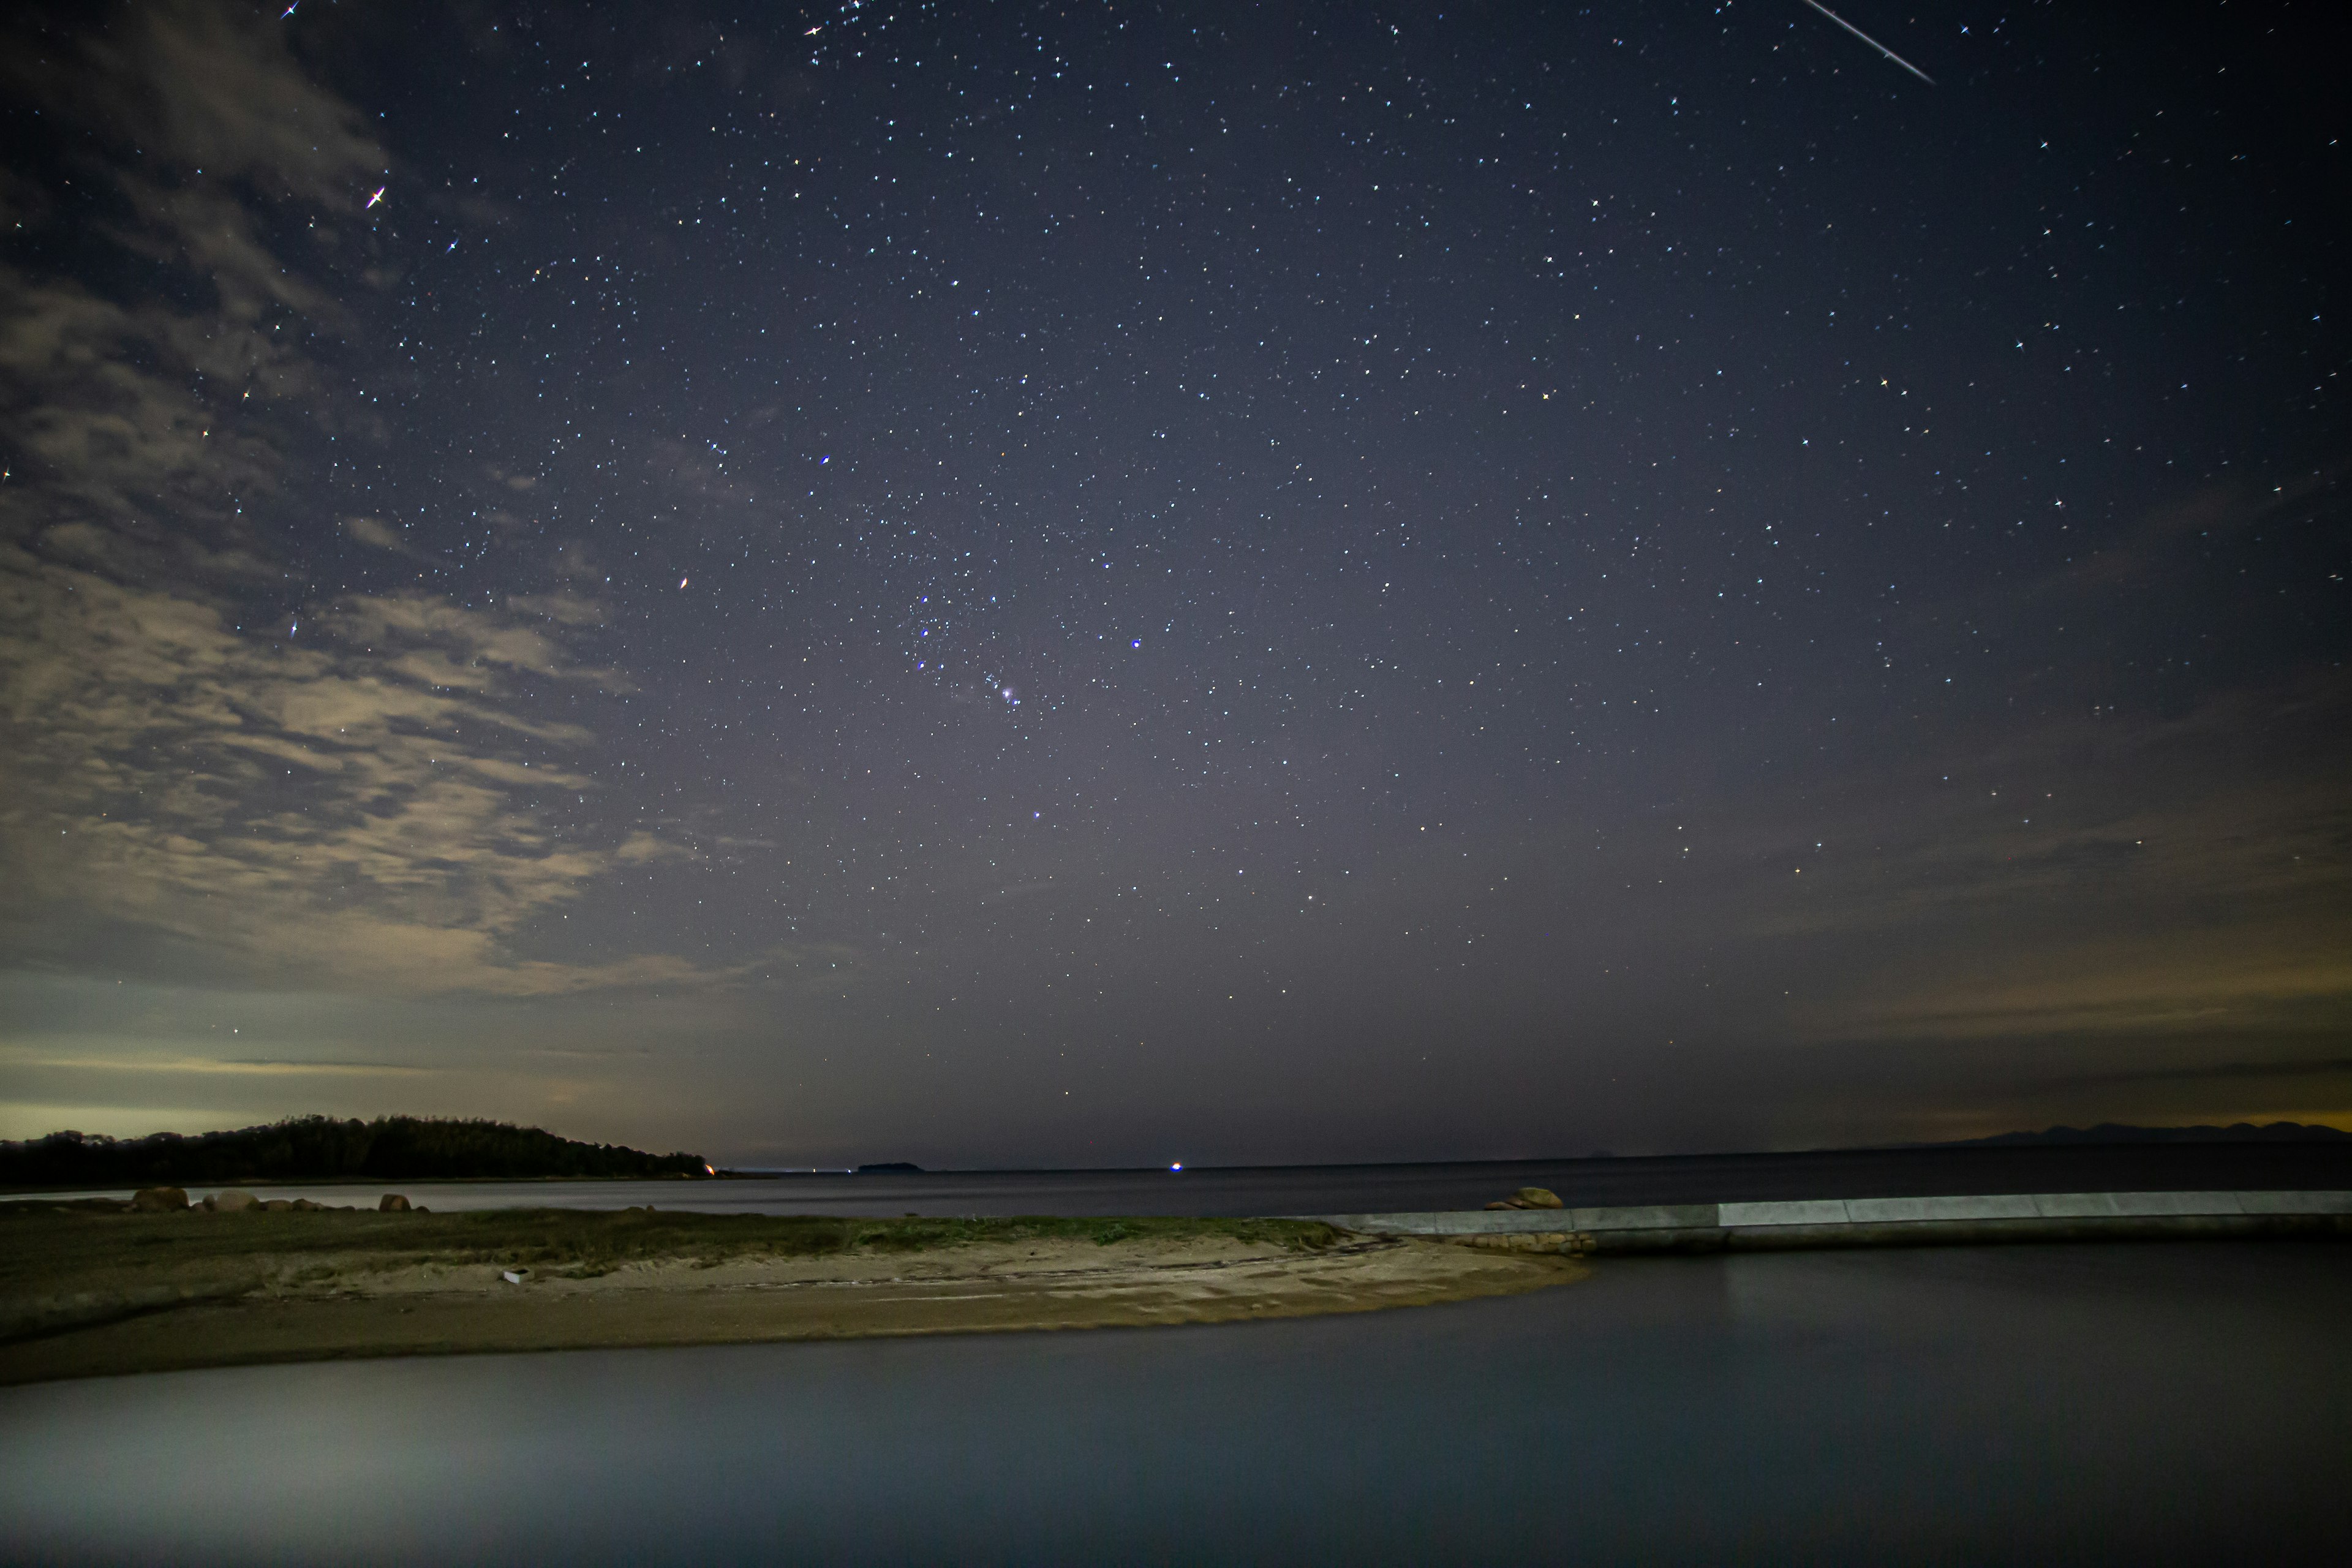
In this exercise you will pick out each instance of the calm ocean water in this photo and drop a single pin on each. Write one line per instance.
(1370, 1189)
(2149, 1403)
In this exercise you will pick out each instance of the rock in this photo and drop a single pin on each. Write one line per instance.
(276, 1206)
(392, 1203)
(1538, 1199)
(232, 1200)
(1498, 1203)
(514, 1276)
(1519, 1241)
(159, 1200)
(307, 1206)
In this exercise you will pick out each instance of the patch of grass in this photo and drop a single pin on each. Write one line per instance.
(916, 1235)
(45, 1252)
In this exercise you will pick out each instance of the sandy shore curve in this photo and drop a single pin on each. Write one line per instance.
(89, 1294)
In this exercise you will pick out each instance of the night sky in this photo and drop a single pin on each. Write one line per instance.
(1110, 584)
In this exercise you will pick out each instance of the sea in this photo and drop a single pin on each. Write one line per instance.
(2164, 1402)
(1289, 1190)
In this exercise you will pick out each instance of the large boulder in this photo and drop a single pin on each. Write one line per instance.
(393, 1204)
(232, 1200)
(1529, 1198)
(159, 1200)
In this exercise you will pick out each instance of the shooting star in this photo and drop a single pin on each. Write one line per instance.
(1874, 43)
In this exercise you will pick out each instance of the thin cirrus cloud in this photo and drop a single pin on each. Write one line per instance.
(2124, 992)
(348, 785)
(104, 395)
(227, 1067)
(361, 808)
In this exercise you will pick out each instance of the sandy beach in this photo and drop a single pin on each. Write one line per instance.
(89, 1294)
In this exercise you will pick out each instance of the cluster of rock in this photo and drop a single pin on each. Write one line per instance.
(237, 1200)
(1574, 1243)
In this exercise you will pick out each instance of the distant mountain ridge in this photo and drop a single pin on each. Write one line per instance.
(319, 1148)
(2122, 1133)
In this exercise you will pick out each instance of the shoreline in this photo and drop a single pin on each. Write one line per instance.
(1389, 1188)
(89, 1294)
(91, 1288)
(1985, 1219)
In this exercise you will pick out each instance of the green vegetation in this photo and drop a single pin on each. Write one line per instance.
(319, 1149)
(112, 1260)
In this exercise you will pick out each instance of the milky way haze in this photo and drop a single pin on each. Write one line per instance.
(1106, 584)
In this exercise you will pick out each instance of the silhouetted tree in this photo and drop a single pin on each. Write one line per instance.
(317, 1148)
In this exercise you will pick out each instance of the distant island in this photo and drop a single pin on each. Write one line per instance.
(320, 1148)
(891, 1168)
(2120, 1133)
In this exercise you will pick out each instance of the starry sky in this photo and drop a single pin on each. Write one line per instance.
(1103, 584)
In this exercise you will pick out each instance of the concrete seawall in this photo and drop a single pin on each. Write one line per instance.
(1890, 1222)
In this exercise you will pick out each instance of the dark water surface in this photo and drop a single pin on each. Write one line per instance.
(1375, 1189)
(2147, 1402)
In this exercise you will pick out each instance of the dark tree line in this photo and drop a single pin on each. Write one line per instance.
(317, 1148)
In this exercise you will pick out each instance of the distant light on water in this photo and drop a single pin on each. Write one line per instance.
(1177, 1166)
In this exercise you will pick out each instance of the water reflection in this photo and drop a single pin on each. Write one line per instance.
(2160, 1402)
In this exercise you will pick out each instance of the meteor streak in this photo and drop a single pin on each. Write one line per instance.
(1874, 43)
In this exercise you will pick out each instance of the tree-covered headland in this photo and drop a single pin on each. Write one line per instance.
(320, 1148)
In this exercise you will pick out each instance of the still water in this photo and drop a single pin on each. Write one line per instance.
(1379, 1189)
(2153, 1403)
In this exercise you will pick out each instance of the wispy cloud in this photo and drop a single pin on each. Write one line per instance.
(2110, 992)
(353, 786)
(2223, 1072)
(217, 1067)
(2077, 815)
(371, 806)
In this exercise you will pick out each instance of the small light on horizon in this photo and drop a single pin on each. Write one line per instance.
(1177, 1166)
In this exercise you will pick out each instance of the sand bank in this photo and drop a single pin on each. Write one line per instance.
(86, 1294)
